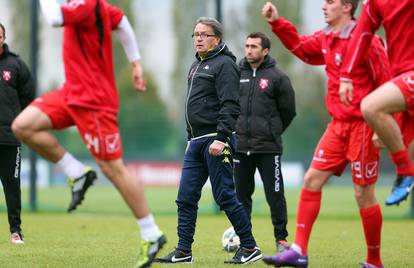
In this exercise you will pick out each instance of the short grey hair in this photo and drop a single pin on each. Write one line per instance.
(213, 23)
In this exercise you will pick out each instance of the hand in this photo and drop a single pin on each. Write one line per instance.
(138, 77)
(216, 148)
(377, 141)
(269, 11)
(345, 92)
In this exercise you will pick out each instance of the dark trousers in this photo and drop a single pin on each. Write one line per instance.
(10, 178)
(269, 166)
(198, 166)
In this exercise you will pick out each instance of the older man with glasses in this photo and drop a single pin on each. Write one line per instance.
(211, 111)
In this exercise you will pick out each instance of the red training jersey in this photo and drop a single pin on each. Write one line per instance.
(397, 17)
(87, 54)
(329, 48)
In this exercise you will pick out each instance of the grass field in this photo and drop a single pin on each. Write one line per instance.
(103, 234)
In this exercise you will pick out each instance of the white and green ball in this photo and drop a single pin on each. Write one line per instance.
(230, 240)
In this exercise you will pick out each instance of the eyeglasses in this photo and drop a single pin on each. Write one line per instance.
(202, 35)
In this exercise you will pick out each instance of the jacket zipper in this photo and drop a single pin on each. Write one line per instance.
(249, 108)
(188, 98)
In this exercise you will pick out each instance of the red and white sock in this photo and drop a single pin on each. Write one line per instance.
(403, 163)
(308, 210)
(372, 223)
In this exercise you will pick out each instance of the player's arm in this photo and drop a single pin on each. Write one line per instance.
(129, 43)
(306, 48)
(361, 39)
(52, 12)
(378, 63)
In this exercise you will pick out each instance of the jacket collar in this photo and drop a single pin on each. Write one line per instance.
(214, 52)
(268, 62)
(344, 33)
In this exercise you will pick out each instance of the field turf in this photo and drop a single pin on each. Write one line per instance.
(102, 233)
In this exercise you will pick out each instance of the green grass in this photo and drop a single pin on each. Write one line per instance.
(103, 233)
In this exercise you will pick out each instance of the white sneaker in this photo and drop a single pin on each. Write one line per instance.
(16, 238)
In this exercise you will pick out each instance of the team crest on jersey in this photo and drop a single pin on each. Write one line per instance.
(338, 59)
(6, 75)
(264, 83)
(321, 153)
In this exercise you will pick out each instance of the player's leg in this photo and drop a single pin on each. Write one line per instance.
(307, 212)
(32, 127)
(10, 177)
(270, 169)
(100, 133)
(309, 206)
(329, 159)
(364, 158)
(244, 169)
(377, 109)
(131, 189)
(371, 216)
(403, 184)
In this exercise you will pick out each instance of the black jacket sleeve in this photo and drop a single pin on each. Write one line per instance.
(286, 102)
(25, 88)
(227, 87)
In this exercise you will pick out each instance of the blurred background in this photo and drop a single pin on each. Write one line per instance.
(152, 123)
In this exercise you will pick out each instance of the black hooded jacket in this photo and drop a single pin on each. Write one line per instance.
(212, 104)
(267, 102)
(16, 92)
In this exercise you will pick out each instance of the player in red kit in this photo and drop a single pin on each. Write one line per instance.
(88, 100)
(397, 95)
(347, 139)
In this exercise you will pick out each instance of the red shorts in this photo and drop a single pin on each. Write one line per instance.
(405, 82)
(98, 129)
(345, 142)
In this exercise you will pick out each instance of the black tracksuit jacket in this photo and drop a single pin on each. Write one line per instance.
(268, 107)
(212, 104)
(16, 92)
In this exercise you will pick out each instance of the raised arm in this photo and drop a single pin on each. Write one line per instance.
(362, 36)
(307, 48)
(368, 23)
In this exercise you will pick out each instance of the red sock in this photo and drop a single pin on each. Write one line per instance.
(403, 163)
(308, 210)
(372, 223)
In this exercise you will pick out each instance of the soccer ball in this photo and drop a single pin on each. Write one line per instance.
(230, 240)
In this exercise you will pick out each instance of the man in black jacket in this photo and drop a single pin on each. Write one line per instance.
(16, 92)
(267, 103)
(211, 111)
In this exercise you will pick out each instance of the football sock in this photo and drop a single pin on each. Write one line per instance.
(308, 210)
(403, 163)
(149, 230)
(70, 166)
(372, 223)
